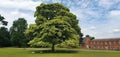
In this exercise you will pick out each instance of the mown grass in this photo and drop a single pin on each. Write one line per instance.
(38, 52)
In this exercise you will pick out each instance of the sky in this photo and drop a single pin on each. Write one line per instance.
(98, 18)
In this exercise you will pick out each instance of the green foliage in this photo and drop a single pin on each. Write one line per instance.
(49, 11)
(71, 43)
(4, 37)
(17, 32)
(74, 43)
(57, 31)
(2, 21)
(54, 25)
(4, 34)
(46, 12)
(37, 43)
(29, 33)
(91, 38)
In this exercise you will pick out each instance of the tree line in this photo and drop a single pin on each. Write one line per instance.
(54, 26)
(14, 36)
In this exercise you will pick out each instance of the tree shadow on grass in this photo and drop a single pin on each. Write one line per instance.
(57, 51)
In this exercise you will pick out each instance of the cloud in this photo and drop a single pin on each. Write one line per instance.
(113, 24)
(14, 9)
(98, 18)
(99, 21)
(116, 31)
(14, 12)
(111, 27)
(92, 28)
(114, 14)
(105, 3)
(108, 4)
(17, 4)
(114, 18)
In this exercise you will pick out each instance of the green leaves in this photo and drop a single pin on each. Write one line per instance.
(38, 43)
(49, 11)
(2, 21)
(54, 25)
(17, 32)
(4, 37)
(40, 20)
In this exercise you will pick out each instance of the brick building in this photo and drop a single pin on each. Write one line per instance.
(108, 44)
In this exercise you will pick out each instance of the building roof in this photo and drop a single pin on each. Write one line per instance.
(106, 39)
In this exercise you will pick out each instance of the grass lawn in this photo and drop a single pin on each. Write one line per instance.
(42, 52)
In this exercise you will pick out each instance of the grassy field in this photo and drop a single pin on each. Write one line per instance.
(38, 52)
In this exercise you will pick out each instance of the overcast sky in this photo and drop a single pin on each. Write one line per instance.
(98, 18)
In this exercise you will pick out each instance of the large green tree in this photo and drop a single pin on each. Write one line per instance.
(54, 25)
(17, 32)
(4, 34)
(4, 37)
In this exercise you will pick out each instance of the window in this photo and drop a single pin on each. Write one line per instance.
(102, 47)
(114, 42)
(98, 47)
(110, 43)
(91, 43)
(119, 42)
(105, 43)
(101, 43)
(98, 42)
(94, 42)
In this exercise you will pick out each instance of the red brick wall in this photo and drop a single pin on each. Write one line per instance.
(86, 43)
(108, 44)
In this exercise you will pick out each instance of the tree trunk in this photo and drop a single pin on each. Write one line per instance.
(53, 47)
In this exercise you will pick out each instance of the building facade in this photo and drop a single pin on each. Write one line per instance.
(108, 44)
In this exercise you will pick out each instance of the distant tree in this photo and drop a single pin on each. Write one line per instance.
(87, 35)
(81, 39)
(17, 32)
(54, 25)
(4, 37)
(2, 22)
(91, 38)
(4, 34)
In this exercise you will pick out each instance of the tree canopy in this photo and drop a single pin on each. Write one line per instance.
(4, 33)
(17, 32)
(4, 37)
(54, 24)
